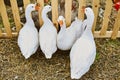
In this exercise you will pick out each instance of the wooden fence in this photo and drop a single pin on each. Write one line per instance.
(103, 33)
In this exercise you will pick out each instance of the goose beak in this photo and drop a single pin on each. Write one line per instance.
(61, 23)
(37, 7)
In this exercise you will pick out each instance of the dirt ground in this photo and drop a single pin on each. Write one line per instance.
(13, 65)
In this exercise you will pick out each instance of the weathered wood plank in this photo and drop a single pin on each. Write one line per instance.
(80, 11)
(68, 7)
(96, 34)
(4, 35)
(5, 18)
(16, 15)
(26, 2)
(116, 26)
(54, 4)
(107, 35)
(107, 13)
(95, 6)
(41, 2)
(0, 33)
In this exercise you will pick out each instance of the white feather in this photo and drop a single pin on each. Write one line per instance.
(83, 52)
(47, 35)
(28, 35)
(67, 36)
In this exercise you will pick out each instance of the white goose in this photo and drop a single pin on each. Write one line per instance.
(47, 34)
(67, 36)
(83, 52)
(28, 35)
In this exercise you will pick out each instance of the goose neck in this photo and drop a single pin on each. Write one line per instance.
(45, 17)
(90, 20)
(87, 26)
(28, 16)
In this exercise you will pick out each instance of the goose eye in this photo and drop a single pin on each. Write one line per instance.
(32, 6)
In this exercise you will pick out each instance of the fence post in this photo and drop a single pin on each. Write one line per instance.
(107, 13)
(16, 14)
(0, 33)
(26, 2)
(116, 26)
(80, 12)
(55, 12)
(5, 18)
(41, 2)
(95, 6)
(68, 7)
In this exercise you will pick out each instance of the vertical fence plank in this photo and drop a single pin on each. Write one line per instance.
(16, 14)
(55, 12)
(0, 33)
(26, 2)
(116, 26)
(41, 2)
(5, 18)
(80, 12)
(68, 6)
(95, 6)
(107, 13)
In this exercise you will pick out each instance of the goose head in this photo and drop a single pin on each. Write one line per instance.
(89, 15)
(29, 9)
(46, 9)
(89, 12)
(61, 20)
(33, 7)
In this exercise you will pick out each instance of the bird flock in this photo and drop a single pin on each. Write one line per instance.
(77, 38)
